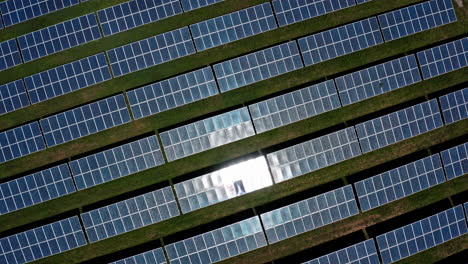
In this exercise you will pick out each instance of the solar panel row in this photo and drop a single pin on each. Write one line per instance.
(361, 253)
(13, 96)
(155, 256)
(454, 106)
(21, 141)
(189, 5)
(455, 161)
(9, 54)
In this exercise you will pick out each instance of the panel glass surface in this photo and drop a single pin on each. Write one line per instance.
(9, 54)
(219, 244)
(455, 161)
(454, 106)
(195, 4)
(362, 1)
(155, 256)
(21, 141)
(13, 96)
(360, 253)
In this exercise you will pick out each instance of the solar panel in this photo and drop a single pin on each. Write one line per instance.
(258, 66)
(59, 37)
(67, 78)
(42, 241)
(117, 162)
(233, 26)
(466, 210)
(398, 126)
(17, 11)
(173, 92)
(223, 184)
(219, 244)
(309, 214)
(151, 51)
(21, 141)
(399, 182)
(421, 235)
(444, 58)
(9, 54)
(362, 1)
(135, 13)
(378, 79)
(314, 154)
(294, 106)
(454, 106)
(207, 134)
(1, 22)
(340, 41)
(35, 188)
(189, 5)
(455, 161)
(130, 214)
(292, 11)
(155, 256)
(361, 253)
(416, 18)
(13, 96)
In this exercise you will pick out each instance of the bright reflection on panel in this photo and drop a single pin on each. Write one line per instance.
(223, 184)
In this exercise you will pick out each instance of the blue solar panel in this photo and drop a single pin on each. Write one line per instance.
(361, 253)
(294, 106)
(362, 1)
(292, 11)
(398, 126)
(455, 161)
(466, 211)
(35, 188)
(67, 78)
(258, 66)
(376, 80)
(309, 214)
(399, 182)
(9, 54)
(116, 162)
(340, 41)
(151, 51)
(42, 241)
(171, 93)
(17, 11)
(416, 18)
(59, 37)
(234, 26)
(444, 58)
(13, 96)
(21, 141)
(130, 214)
(1, 21)
(135, 13)
(455, 106)
(155, 256)
(195, 4)
(85, 120)
(421, 235)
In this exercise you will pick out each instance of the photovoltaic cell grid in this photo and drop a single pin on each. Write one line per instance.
(218, 244)
(9, 54)
(155, 256)
(309, 214)
(151, 51)
(295, 106)
(207, 134)
(399, 182)
(59, 37)
(17, 11)
(130, 214)
(455, 106)
(42, 241)
(116, 162)
(455, 161)
(421, 235)
(13, 96)
(21, 141)
(234, 26)
(416, 18)
(195, 4)
(444, 58)
(292, 11)
(67, 78)
(361, 253)
(388, 129)
(362, 1)
(135, 13)
(339, 41)
(258, 66)
(35, 188)
(314, 154)
(171, 93)
(377, 80)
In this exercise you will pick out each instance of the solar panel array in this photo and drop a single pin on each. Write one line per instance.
(454, 106)
(314, 154)
(400, 125)
(361, 253)
(189, 5)
(130, 214)
(155, 256)
(421, 235)
(294, 106)
(9, 54)
(13, 96)
(309, 214)
(219, 244)
(399, 182)
(455, 161)
(21, 141)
